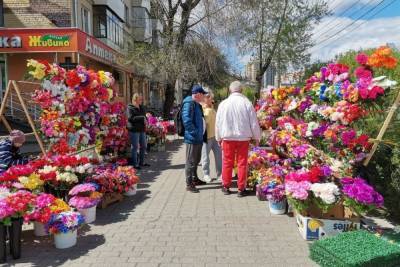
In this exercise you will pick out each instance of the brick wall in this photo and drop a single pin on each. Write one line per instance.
(37, 13)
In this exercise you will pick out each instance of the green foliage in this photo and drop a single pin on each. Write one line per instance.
(250, 93)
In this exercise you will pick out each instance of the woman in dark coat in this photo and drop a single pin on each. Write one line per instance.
(137, 130)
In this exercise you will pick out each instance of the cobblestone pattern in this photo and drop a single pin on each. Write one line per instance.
(163, 225)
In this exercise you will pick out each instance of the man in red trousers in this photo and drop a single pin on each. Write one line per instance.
(235, 126)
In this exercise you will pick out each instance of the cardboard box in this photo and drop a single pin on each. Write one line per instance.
(314, 229)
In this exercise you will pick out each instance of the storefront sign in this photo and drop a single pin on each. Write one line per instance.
(99, 51)
(49, 40)
(14, 42)
(38, 40)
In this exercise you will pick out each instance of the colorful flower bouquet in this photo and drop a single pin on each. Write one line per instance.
(77, 109)
(114, 179)
(64, 222)
(44, 207)
(84, 196)
(15, 205)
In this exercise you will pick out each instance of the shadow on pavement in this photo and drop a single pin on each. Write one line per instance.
(41, 251)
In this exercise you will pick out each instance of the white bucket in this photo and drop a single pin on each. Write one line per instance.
(39, 229)
(66, 240)
(277, 208)
(132, 191)
(89, 214)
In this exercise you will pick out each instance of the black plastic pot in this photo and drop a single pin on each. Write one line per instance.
(3, 244)
(15, 231)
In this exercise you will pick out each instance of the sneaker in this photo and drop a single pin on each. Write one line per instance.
(242, 193)
(207, 178)
(219, 179)
(192, 188)
(226, 191)
(197, 181)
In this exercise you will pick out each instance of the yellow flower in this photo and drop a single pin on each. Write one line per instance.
(32, 182)
(59, 206)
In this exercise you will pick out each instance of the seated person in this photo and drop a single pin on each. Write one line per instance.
(9, 150)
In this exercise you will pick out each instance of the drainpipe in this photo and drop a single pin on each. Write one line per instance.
(75, 13)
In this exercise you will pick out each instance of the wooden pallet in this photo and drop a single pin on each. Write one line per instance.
(110, 198)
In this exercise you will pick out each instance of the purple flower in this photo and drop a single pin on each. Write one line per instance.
(360, 191)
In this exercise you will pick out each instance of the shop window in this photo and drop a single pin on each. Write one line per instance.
(85, 20)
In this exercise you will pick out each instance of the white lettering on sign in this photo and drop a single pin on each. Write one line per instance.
(14, 42)
(99, 51)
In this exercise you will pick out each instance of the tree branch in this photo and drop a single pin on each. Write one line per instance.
(209, 15)
(277, 39)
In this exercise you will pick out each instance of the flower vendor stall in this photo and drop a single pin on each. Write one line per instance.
(60, 190)
(317, 145)
(156, 131)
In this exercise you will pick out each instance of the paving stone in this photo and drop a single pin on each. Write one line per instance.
(163, 225)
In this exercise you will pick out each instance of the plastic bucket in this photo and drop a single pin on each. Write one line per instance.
(39, 229)
(132, 191)
(277, 207)
(65, 240)
(89, 214)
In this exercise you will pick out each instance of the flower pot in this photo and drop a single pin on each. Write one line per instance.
(65, 240)
(89, 214)
(3, 245)
(277, 207)
(260, 194)
(15, 231)
(132, 191)
(39, 229)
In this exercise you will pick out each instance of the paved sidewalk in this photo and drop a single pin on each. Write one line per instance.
(163, 225)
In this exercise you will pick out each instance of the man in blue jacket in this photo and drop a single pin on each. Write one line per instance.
(193, 121)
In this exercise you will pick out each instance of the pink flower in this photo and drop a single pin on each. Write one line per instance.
(298, 190)
(362, 58)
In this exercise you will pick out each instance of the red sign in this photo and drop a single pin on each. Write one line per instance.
(56, 40)
(90, 46)
(38, 40)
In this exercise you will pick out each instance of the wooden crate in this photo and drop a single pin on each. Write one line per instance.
(110, 198)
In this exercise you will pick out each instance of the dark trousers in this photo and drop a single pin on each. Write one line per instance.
(193, 157)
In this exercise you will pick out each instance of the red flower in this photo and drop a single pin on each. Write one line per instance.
(73, 79)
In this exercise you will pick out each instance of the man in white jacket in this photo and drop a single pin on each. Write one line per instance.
(235, 126)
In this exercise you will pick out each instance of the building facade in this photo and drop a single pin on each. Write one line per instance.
(94, 33)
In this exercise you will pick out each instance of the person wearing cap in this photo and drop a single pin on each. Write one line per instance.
(195, 135)
(211, 144)
(9, 150)
(236, 124)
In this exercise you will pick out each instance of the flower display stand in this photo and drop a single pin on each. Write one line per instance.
(110, 198)
(65, 240)
(39, 229)
(3, 243)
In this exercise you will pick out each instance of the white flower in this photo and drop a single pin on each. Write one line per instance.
(328, 192)
(4, 192)
(335, 116)
(68, 168)
(47, 169)
(289, 127)
(80, 169)
(23, 179)
(314, 107)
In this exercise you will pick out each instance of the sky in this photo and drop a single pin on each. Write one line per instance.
(354, 24)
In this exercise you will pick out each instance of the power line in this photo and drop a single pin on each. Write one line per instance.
(352, 23)
(358, 26)
(340, 15)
